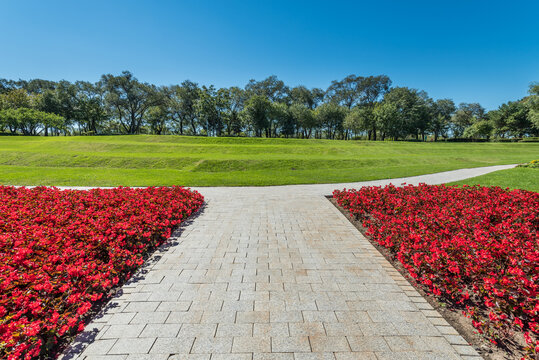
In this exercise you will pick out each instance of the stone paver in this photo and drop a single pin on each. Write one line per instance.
(272, 273)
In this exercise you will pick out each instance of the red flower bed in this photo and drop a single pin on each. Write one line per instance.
(477, 247)
(62, 251)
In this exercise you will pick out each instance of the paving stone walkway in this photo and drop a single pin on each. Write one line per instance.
(271, 273)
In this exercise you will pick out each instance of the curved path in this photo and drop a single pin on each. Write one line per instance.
(272, 273)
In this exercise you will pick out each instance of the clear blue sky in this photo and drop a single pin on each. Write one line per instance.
(471, 51)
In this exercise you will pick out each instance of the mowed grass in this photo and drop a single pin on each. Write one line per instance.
(144, 160)
(517, 178)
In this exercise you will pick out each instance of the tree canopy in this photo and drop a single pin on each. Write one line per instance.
(366, 107)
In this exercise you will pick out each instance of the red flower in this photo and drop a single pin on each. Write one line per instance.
(61, 251)
(477, 247)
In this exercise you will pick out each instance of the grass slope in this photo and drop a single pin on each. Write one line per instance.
(144, 160)
(517, 178)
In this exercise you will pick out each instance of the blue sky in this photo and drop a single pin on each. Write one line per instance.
(470, 51)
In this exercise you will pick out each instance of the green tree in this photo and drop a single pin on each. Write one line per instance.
(285, 120)
(311, 98)
(512, 119)
(304, 118)
(211, 109)
(182, 103)
(234, 101)
(157, 118)
(17, 98)
(442, 110)
(359, 119)
(129, 99)
(345, 92)
(389, 120)
(91, 111)
(256, 112)
(331, 117)
(479, 129)
(465, 116)
(29, 121)
(532, 103)
(272, 88)
(413, 108)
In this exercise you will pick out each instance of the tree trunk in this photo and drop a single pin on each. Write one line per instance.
(193, 126)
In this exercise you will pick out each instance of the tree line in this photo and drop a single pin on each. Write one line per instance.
(354, 107)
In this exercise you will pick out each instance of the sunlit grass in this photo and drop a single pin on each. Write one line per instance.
(198, 161)
(517, 178)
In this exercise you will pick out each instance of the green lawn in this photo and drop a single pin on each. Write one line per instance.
(198, 161)
(517, 178)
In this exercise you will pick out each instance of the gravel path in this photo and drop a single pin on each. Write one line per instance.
(272, 273)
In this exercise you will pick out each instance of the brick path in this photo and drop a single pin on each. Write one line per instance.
(271, 273)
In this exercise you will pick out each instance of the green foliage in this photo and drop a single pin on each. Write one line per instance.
(257, 112)
(389, 120)
(331, 117)
(354, 107)
(413, 111)
(534, 164)
(130, 99)
(512, 120)
(465, 116)
(479, 129)
(29, 121)
(358, 120)
(442, 109)
(305, 119)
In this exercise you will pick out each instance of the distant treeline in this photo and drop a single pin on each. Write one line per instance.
(354, 107)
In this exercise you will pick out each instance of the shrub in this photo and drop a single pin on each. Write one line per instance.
(534, 164)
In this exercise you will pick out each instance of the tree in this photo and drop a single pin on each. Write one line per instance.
(235, 101)
(310, 98)
(479, 129)
(442, 110)
(182, 103)
(389, 120)
(532, 103)
(90, 107)
(157, 118)
(305, 119)
(29, 121)
(17, 98)
(372, 88)
(413, 108)
(331, 116)
(465, 116)
(346, 92)
(284, 118)
(272, 88)
(38, 86)
(7, 85)
(359, 119)
(129, 99)
(257, 112)
(359, 91)
(512, 119)
(211, 107)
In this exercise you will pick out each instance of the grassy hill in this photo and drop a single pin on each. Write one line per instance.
(142, 160)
